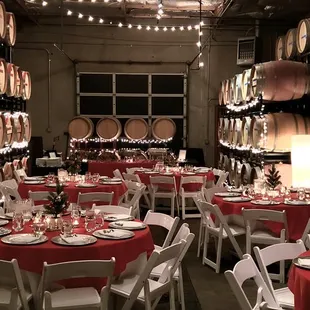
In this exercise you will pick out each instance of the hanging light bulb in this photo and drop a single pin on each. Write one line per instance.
(69, 13)
(181, 28)
(165, 29)
(106, 1)
(93, 1)
(201, 64)
(80, 15)
(90, 18)
(44, 3)
(148, 27)
(200, 33)
(160, 5)
(189, 27)
(198, 44)
(156, 28)
(160, 12)
(130, 26)
(158, 16)
(173, 29)
(101, 21)
(201, 23)
(120, 25)
(80, 0)
(139, 27)
(197, 27)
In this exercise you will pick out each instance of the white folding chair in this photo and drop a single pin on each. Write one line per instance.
(219, 229)
(140, 288)
(132, 170)
(185, 194)
(306, 235)
(165, 221)
(10, 183)
(222, 179)
(136, 190)
(183, 234)
(17, 164)
(76, 298)
(10, 194)
(244, 270)
(25, 163)
(118, 174)
(206, 196)
(265, 306)
(41, 196)
(19, 175)
(13, 294)
(95, 197)
(113, 209)
(164, 187)
(257, 233)
(8, 170)
(276, 253)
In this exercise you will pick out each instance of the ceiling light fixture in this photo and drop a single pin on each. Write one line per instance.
(80, 15)
(101, 21)
(69, 13)
(90, 18)
(120, 25)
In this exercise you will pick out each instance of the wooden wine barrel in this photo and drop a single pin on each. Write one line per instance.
(280, 48)
(231, 170)
(27, 127)
(2, 131)
(3, 26)
(256, 173)
(19, 129)
(11, 29)
(230, 130)
(26, 85)
(136, 129)
(246, 85)
(221, 161)
(303, 36)
(225, 129)
(222, 93)
(9, 124)
(232, 91)
(163, 128)
(227, 98)
(109, 128)
(81, 127)
(237, 84)
(280, 127)
(280, 80)
(19, 83)
(237, 135)
(246, 173)
(237, 173)
(11, 80)
(3, 76)
(226, 163)
(291, 43)
(245, 131)
(220, 129)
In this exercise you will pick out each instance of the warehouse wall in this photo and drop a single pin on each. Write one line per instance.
(109, 44)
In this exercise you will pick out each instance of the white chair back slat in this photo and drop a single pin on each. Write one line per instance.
(10, 183)
(209, 192)
(132, 170)
(117, 174)
(95, 197)
(158, 183)
(222, 179)
(305, 235)
(131, 177)
(113, 209)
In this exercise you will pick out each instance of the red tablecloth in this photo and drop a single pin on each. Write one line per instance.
(74, 191)
(107, 167)
(31, 258)
(299, 284)
(297, 216)
(191, 187)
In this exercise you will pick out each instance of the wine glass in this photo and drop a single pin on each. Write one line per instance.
(90, 221)
(18, 221)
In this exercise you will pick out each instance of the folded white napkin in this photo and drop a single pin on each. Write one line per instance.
(73, 239)
(24, 238)
(304, 262)
(113, 233)
(128, 224)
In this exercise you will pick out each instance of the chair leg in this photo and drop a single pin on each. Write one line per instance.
(205, 245)
(172, 296)
(219, 254)
(153, 203)
(248, 244)
(282, 271)
(200, 237)
(181, 289)
(147, 200)
(172, 206)
(183, 208)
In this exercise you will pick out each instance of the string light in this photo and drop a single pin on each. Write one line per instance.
(130, 26)
(156, 28)
(120, 25)
(90, 18)
(44, 3)
(124, 140)
(173, 29)
(165, 29)
(189, 27)
(181, 28)
(101, 21)
(160, 11)
(139, 27)
(80, 15)
(69, 13)
(148, 28)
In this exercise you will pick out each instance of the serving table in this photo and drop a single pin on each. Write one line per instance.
(31, 257)
(299, 284)
(297, 216)
(73, 191)
(107, 167)
(145, 179)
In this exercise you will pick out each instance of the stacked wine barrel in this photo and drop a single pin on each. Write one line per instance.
(295, 42)
(110, 128)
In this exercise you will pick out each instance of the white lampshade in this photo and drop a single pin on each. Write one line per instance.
(300, 161)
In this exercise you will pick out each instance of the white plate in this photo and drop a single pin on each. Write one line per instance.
(9, 215)
(3, 222)
(54, 184)
(296, 202)
(103, 177)
(86, 185)
(23, 239)
(4, 231)
(227, 194)
(118, 217)
(188, 173)
(113, 234)
(127, 225)
(151, 172)
(236, 190)
(237, 199)
(38, 178)
(167, 173)
(34, 182)
(81, 240)
(265, 202)
(110, 183)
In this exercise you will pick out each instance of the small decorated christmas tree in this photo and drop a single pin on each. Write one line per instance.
(273, 178)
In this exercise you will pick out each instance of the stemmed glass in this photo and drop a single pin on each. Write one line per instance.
(18, 221)
(90, 221)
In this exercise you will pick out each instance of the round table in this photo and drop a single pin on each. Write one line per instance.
(299, 284)
(31, 257)
(107, 167)
(73, 191)
(209, 176)
(297, 216)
